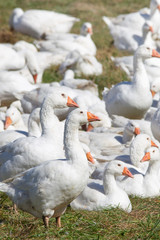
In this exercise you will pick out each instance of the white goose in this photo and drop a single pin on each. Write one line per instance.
(96, 196)
(126, 39)
(147, 185)
(76, 83)
(130, 156)
(132, 99)
(34, 129)
(14, 120)
(63, 44)
(13, 86)
(27, 152)
(54, 184)
(86, 65)
(37, 23)
(155, 124)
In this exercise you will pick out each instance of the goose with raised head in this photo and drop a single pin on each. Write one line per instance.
(55, 183)
(28, 152)
(132, 99)
(145, 185)
(38, 23)
(64, 44)
(98, 196)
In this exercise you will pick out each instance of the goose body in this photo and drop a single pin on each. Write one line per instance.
(86, 65)
(132, 99)
(37, 23)
(96, 196)
(13, 86)
(27, 152)
(64, 43)
(54, 184)
(147, 185)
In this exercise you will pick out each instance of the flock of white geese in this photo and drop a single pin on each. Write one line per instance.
(61, 144)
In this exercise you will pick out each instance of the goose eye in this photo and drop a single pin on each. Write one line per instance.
(63, 95)
(153, 151)
(119, 164)
(148, 139)
(153, 86)
(81, 112)
(148, 48)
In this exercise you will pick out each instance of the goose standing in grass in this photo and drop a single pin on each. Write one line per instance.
(96, 196)
(25, 153)
(55, 183)
(132, 99)
(38, 23)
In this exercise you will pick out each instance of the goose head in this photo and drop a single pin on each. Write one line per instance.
(138, 146)
(117, 168)
(151, 154)
(16, 14)
(12, 117)
(86, 29)
(132, 128)
(59, 99)
(79, 117)
(145, 52)
(147, 27)
(155, 87)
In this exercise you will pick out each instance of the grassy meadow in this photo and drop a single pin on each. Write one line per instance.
(144, 221)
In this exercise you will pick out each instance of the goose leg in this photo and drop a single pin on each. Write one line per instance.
(45, 221)
(58, 221)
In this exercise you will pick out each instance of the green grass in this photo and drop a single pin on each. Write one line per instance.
(143, 222)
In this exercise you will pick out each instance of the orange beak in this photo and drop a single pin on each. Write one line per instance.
(90, 127)
(158, 7)
(155, 53)
(71, 103)
(126, 172)
(137, 131)
(153, 144)
(90, 158)
(153, 93)
(89, 30)
(8, 122)
(35, 78)
(146, 157)
(92, 117)
(151, 29)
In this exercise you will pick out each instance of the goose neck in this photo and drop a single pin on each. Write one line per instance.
(127, 136)
(140, 79)
(109, 183)
(153, 168)
(73, 149)
(136, 153)
(49, 121)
